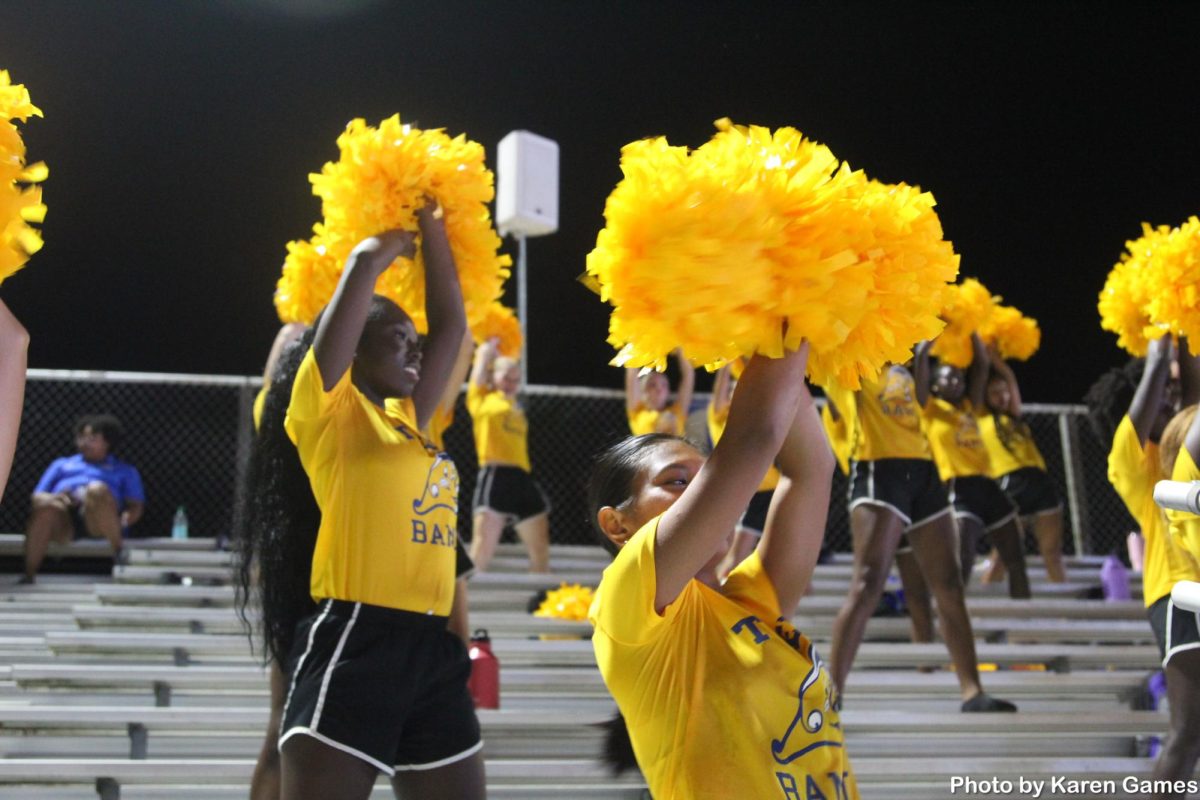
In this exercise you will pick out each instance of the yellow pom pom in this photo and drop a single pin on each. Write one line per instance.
(967, 310)
(568, 601)
(1174, 301)
(1125, 299)
(381, 179)
(499, 321)
(1014, 335)
(19, 204)
(716, 250)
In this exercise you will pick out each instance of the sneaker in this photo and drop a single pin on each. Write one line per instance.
(985, 702)
(27, 580)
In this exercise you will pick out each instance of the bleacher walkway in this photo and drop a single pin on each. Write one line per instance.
(144, 685)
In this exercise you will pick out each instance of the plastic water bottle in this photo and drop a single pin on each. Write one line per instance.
(1114, 578)
(179, 526)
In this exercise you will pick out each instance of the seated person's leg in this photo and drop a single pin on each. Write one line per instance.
(101, 515)
(49, 521)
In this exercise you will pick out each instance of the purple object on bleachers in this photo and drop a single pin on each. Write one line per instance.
(1114, 579)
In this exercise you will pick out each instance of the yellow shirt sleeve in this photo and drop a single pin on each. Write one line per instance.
(1185, 528)
(623, 607)
(749, 585)
(260, 400)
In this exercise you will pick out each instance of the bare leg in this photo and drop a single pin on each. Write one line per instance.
(936, 548)
(916, 596)
(995, 571)
(1048, 530)
(535, 534)
(50, 520)
(264, 785)
(487, 526)
(1177, 761)
(101, 515)
(875, 532)
(462, 780)
(969, 533)
(312, 770)
(1009, 541)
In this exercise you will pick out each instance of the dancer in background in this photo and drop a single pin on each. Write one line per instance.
(379, 684)
(1135, 464)
(647, 400)
(505, 491)
(1018, 465)
(895, 494)
(741, 705)
(980, 506)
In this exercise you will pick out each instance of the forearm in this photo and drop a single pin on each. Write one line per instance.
(921, 372)
(446, 315)
(14, 354)
(687, 384)
(1189, 373)
(978, 372)
(1147, 399)
(342, 324)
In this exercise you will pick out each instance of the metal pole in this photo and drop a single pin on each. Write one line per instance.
(1074, 476)
(522, 308)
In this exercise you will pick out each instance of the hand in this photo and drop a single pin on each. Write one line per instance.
(1159, 350)
(429, 214)
(383, 249)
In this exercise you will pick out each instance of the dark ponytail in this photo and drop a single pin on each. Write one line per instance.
(1109, 397)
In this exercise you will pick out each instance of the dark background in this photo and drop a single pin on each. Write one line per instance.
(180, 134)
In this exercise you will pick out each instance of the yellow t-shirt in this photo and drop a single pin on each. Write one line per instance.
(1010, 444)
(668, 420)
(256, 410)
(501, 430)
(389, 502)
(722, 699)
(1133, 471)
(839, 432)
(954, 437)
(887, 418)
(716, 427)
(1185, 528)
(441, 420)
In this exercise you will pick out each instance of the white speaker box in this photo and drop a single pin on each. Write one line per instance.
(527, 185)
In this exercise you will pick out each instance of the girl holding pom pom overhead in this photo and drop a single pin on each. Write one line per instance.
(952, 401)
(740, 704)
(505, 491)
(378, 683)
(647, 400)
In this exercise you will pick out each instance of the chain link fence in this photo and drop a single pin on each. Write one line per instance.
(189, 436)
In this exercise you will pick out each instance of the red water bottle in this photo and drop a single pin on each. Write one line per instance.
(484, 682)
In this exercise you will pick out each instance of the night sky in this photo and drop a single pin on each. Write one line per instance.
(180, 134)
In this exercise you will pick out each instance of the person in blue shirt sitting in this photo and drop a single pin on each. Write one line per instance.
(91, 493)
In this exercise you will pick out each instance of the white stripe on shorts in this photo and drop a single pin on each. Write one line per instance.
(337, 653)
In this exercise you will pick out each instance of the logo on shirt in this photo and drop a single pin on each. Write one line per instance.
(813, 715)
(896, 397)
(441, 488)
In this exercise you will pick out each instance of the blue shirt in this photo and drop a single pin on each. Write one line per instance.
(73, 473)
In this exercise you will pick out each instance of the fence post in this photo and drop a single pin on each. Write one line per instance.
(1073, 471)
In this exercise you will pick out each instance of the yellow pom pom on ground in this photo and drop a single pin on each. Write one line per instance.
(1174, 301)
(20, 204)
(501, 322)
(568, 601)
(383, 175)
(1014, 335)
(1125, 299)
(967, 311)
(717, 250)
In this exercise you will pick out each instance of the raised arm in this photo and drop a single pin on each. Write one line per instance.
(457, 375)
(687, 384)
(1189, 374)
(795, 525)
(977, 373)
(1001, 368)
(485, 355)
(287, 334)
(346, 315)
(633, 390)
(445, 312)
(14, 354)
(720, 393)
(921, 371)
(1148, 399)
(763, 409)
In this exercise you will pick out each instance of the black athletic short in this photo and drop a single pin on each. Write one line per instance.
(1032, 490)
(1182, 630)
(510, 491)
(385, 685)
(908, 486)
(754, 518)
(1157, 614)
(980, 498)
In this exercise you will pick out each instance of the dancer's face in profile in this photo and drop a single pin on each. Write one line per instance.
(999, 395)
(948, 383)
(655, 390)
(388, 358)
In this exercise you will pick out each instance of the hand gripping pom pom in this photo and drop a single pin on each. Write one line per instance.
(1014, 335)
(381, 179)
(967, 311)
(501, 322)
(718, 249)
(20, 204)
